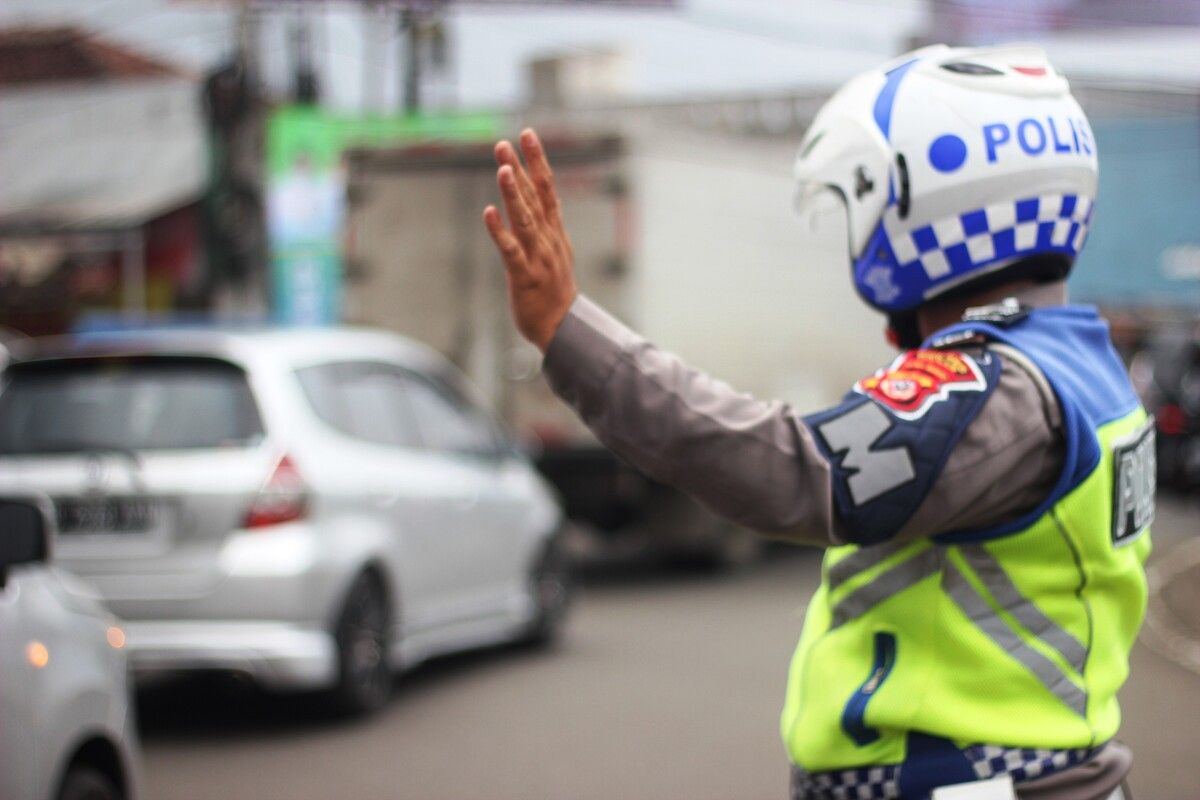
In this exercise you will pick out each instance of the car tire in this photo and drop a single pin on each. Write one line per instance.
(362, 634)
(86, 783)
(552, 587)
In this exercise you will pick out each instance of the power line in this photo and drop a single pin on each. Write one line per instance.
(757, 30)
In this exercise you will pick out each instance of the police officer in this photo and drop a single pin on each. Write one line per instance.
(985, 498)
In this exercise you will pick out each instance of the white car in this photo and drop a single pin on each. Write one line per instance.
(313, 508)
(64, 700)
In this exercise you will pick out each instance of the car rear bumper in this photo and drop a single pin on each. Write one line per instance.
(277, 655)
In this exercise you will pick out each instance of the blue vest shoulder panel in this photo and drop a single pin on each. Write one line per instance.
(1072, 347)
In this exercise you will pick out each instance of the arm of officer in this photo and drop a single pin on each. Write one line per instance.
(751, 461)
(760, 463)
(764, 466)
(1007, 461)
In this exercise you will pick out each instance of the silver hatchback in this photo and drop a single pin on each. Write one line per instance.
(313, 508)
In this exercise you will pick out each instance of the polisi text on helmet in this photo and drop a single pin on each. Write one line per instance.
(1036, 136)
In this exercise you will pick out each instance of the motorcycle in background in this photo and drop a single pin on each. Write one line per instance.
(1166, 374)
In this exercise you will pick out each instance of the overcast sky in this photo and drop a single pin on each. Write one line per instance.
(699, 47)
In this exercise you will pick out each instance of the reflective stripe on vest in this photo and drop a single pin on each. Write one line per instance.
(862, 560)
(896, 579)
(1022, 609)
(993, 577)
(987, 620)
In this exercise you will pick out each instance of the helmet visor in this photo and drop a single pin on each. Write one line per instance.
(823, 221)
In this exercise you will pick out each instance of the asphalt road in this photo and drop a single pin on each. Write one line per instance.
(666, 686)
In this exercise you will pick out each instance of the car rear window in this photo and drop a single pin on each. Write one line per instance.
(144, 403)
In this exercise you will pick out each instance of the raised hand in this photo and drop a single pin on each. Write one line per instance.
(538, 259)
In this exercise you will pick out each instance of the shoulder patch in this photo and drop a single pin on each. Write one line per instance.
(920, 378)
(888, 439)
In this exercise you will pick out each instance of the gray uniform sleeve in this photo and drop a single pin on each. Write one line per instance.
(755, 462)
(1007, 460)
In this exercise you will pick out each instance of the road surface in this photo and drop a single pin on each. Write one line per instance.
(666, 686)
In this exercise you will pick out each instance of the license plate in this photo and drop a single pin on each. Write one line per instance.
(107, 515)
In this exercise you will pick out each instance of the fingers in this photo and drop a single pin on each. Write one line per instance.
(507, 155)
(542, 182)
(542, 175)
(532, 208)
(510, 248)
(520, 215)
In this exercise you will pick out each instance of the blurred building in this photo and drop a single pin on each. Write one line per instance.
(713, 264)
(681, 217)
(1143, 253)
(103, 167)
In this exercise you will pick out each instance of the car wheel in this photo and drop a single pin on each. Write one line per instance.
(364, 674)
(86, 783)
(552, 587)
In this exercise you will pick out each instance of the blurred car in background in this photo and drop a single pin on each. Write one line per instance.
(64, 700)
(311, 508)
(7, 337)
(1166, 374)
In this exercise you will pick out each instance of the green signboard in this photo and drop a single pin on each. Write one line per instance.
(306, 187)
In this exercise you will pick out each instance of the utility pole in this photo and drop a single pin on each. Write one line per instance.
(377, 19)
(423, 29)
(410, 26)
(247, 42)
(235, 225)
(305, 88)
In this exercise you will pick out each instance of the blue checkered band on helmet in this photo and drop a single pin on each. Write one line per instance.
(900, 269)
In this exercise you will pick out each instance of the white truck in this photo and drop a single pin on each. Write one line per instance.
(688, 236)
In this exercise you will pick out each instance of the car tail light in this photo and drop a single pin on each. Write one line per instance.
(283, 498)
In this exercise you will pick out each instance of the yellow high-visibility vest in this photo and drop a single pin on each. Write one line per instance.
(1015, 637)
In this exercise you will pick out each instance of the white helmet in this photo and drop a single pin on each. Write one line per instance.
(952, 164)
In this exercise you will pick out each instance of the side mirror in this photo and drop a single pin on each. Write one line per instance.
(24, 535)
